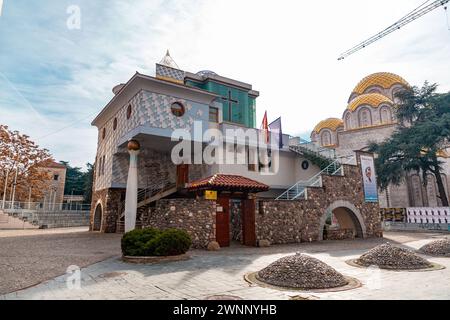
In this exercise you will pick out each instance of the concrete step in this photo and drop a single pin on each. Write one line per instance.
(8, 222)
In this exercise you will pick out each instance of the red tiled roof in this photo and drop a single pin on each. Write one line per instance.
(228, 182)
(56, 165)
(52, 164)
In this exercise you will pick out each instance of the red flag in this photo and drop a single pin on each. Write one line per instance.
(265, 127)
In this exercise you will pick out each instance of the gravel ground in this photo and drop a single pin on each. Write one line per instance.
(301, 272)
(437, 248)
(392, 257)
(30, 257)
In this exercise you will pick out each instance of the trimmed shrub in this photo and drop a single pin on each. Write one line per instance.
(171, 242)
(154, 242)
(134, 242)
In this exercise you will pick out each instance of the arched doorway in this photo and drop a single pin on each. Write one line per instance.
(98, 215)
(342, 220)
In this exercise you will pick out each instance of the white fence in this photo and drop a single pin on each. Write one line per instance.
(46, 215)
(16, 206)
(428, 215)
(416, 227)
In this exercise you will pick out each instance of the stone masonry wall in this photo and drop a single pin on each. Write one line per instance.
(197, 217)
(300, 221)
(155, 168)
(110, 200)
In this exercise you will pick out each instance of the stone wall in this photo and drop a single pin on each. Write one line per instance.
(110, 200)
(236, 220)
(280, 222)
(344, 234)
(303, 221)
(197, 217)
(155, 168)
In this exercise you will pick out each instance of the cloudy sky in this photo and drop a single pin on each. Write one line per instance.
(55, 78)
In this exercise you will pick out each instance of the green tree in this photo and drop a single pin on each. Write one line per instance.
(74, 180)
(422, 134)
(78, 182)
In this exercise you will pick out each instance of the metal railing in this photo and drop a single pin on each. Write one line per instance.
(299, 190)
(145, 194)
(149, 192)
(60, 219)
(47, 207)
(299, 144)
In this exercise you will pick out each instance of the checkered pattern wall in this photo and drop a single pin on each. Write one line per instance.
(151, 110)
(168, 72)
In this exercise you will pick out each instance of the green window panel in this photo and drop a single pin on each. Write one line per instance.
(238, 106)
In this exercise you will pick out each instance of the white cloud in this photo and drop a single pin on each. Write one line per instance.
(287, 49)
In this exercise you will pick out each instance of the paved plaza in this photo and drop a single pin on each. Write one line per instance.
(206, 273)
(28, 257)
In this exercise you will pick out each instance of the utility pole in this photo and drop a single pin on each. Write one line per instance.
(5, 189)
(29, 198)
(14, 188)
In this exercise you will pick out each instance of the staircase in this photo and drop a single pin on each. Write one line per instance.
(9, 222)
(321, 157)
(299, 190)
(145, 198)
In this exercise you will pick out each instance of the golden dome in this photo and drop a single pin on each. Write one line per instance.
(372, 99)
(381, 79)
(332, 123)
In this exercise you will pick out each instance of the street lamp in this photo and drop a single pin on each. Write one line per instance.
(5, 189)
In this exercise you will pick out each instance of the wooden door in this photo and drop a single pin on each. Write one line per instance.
(248, 222)
(182, 175)
(223, 221)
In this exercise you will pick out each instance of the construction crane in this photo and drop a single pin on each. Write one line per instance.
(413, 15)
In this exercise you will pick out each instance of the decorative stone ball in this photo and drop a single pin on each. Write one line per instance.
(134, 145)
(213, 246)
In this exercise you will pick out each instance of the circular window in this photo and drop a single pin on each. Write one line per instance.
(129, 111)
(115, 124)
(305, 165)
(177, 109)
(104, 133)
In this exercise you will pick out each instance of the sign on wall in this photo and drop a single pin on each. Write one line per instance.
(210, 195)
(369, 179)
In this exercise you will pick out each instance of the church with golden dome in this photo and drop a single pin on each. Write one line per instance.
(370, 117)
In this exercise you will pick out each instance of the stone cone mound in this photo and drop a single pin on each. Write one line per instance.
(390, 257)
(301, 272)
(437, 248)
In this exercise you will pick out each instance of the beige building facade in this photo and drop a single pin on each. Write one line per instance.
(55, 193)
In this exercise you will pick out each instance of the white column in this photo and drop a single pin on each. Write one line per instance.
(132, 187)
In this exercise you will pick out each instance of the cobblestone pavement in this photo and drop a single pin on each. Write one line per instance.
(28, 257)
(221, 273)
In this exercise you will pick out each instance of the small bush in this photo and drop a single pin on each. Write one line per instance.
(171, 242)
(154, 242)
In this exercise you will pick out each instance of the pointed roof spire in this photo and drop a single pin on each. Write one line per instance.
(168, 61)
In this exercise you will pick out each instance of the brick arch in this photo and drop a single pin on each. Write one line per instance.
(352, 210)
